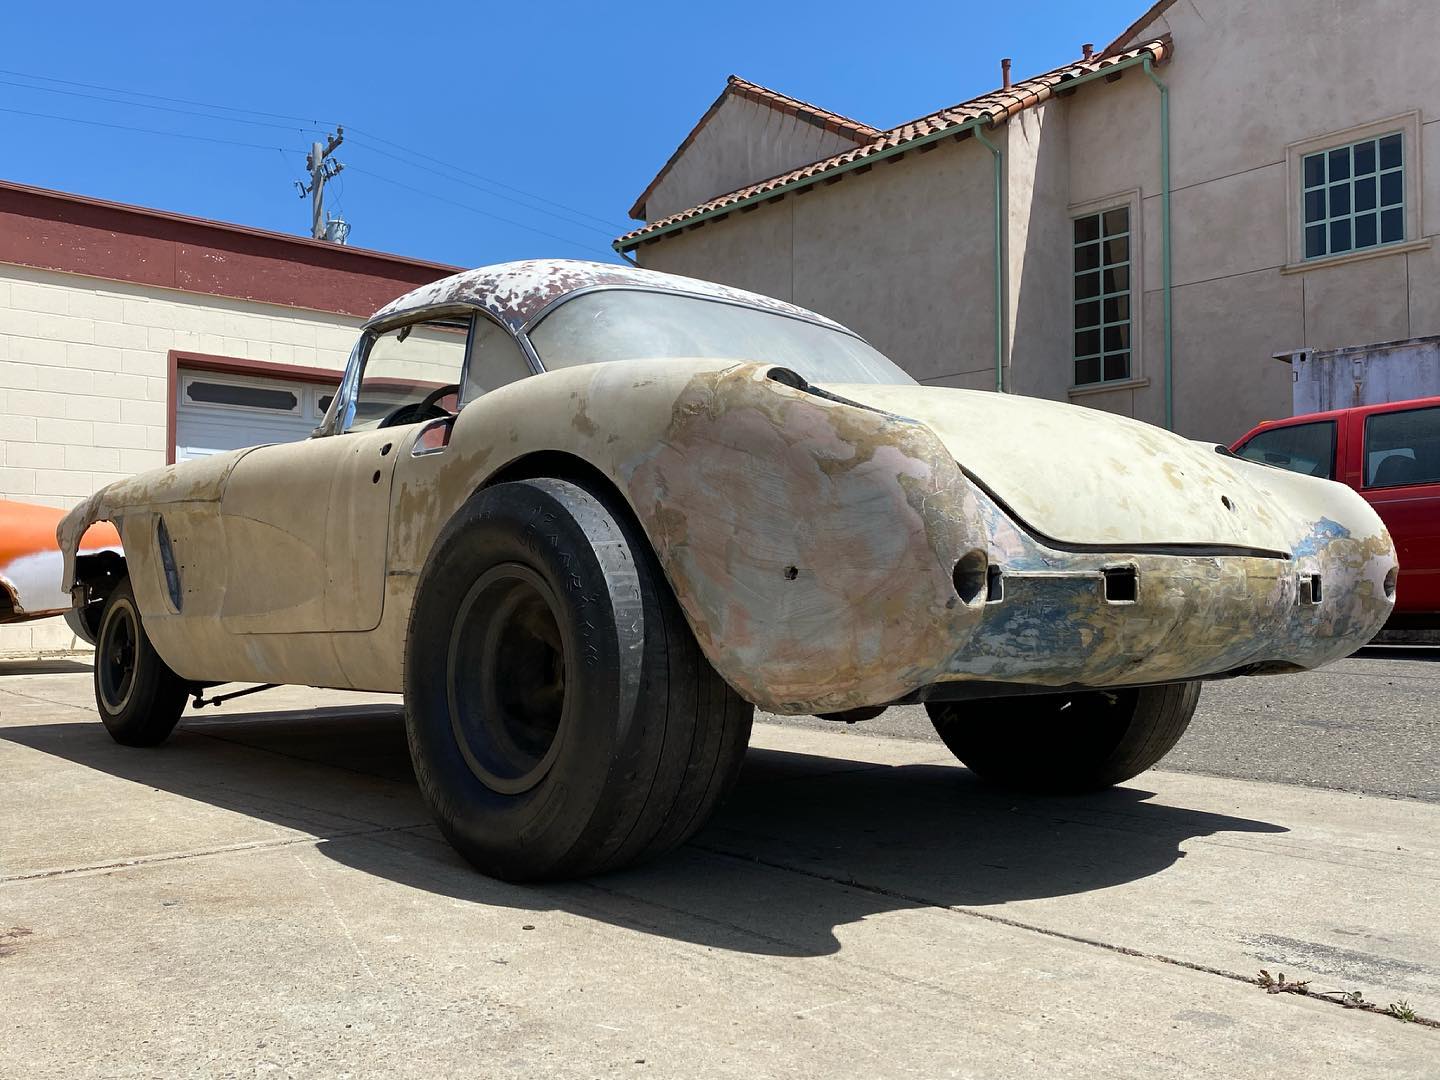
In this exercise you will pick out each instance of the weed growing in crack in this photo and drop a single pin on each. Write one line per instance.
(1401, 1010)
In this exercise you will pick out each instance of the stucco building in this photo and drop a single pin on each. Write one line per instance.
(131, 337)
(1021, 239)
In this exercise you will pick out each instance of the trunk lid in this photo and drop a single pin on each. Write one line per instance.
(1085, 477)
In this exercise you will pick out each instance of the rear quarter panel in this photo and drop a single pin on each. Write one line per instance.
(771, 512)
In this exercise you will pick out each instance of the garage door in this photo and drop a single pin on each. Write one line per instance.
(217, 412)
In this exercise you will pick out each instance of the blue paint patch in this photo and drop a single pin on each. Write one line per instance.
(1325, 532)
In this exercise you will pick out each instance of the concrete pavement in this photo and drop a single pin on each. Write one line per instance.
(264, 895)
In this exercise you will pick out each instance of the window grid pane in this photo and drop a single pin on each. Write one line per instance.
(1339, 189)
(1102, 300)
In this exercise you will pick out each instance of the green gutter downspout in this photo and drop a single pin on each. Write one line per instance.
(1165, 243)
(999, 261)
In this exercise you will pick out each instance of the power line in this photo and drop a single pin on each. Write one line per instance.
(162, 108)
(608, 231)
(161, 97)
(474, 209)
(606, 227)
(609, 226)
(147, 131)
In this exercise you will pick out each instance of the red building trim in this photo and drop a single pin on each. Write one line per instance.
(54, 230)
(228, 365)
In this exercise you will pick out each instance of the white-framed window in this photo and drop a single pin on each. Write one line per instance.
(1354, 196)
(1103, 312)
(1355, 193)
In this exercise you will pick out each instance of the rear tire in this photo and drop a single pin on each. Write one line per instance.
(1061, 743)
(562, 720)
(139, 698)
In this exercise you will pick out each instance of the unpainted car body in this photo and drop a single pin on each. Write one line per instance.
(811, 536)
(836, 544)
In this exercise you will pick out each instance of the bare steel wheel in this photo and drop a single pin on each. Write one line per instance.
(139, 698)
(507, 671)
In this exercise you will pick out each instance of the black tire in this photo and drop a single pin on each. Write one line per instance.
(1062, 743)
(139, 698)
(562, 720)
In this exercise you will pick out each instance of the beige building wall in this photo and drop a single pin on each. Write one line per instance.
(1248, 82)
(743, 141)
(83, 382)
(901, 253)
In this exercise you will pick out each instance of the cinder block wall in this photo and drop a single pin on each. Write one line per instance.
(83, 383)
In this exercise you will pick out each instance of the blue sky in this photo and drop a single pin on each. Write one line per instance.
(558, 114)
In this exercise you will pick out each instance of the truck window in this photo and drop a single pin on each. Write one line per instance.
(1403, 448)
(1302, 448)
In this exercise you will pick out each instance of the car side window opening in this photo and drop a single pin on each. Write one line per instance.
(633, 324)
(406, 374)
(496, 360)
(1301, 448)
(1402, 448)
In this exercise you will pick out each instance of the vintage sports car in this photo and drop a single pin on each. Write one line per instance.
(30, 579)
(585, 517)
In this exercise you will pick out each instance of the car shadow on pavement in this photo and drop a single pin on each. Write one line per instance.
(805, 845)
(46, 666)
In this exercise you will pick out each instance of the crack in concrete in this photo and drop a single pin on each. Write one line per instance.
(181, 856)
(1016, 924)
(49, 701)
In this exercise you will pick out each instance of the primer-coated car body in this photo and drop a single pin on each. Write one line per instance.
(833, 547)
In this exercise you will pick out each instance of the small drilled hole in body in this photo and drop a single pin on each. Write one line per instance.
(376, 478)
(1225, 502)
(1390, 580)
(1122, 585)
(791, 573)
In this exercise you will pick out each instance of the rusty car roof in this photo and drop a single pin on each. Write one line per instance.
(515, 292)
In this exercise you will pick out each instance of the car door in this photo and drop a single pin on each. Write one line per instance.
(1401, 479)
(306, 524)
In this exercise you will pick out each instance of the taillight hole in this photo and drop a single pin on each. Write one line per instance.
(994, 585)
(1122, 584)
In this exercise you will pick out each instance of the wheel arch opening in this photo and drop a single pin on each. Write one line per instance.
(561, 465)
(98, 574)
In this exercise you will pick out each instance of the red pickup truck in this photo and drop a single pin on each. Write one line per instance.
(1390, 454)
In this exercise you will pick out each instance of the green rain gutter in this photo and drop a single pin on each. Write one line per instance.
(1165, 242)
(999, 261)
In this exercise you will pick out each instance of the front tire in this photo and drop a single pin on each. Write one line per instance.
(139, 698)
(561, 718)
(1064, 743)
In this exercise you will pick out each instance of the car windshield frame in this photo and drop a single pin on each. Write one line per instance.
(537, 320)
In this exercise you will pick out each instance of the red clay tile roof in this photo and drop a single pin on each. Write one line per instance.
(999, 105)
(843, 126)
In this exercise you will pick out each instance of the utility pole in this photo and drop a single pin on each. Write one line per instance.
(321, 169)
